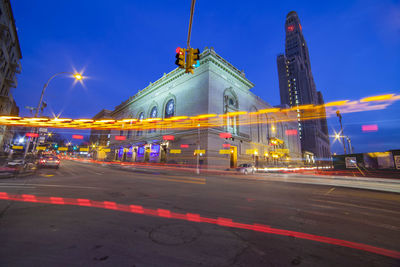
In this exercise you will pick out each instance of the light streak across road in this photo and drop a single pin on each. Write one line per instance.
(308, 112)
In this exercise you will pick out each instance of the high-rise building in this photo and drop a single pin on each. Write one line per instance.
(10, 55)
(297, 87)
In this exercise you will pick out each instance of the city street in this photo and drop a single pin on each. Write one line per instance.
(53, 234)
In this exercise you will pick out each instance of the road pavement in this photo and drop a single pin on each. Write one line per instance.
(304, 224)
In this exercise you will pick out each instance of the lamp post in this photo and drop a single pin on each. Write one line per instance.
(76, 75)
(341, 130)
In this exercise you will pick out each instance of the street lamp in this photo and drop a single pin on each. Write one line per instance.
(341, 130)
(76, 75)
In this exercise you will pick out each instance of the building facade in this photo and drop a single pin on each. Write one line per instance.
(297, 87)
(10, 56)
(216, 87)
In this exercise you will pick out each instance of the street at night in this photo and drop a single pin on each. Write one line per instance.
(44, 234)
(199, 133)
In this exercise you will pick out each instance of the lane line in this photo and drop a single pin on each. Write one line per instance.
(329, 191)
(224, 222)
(354, 205)
(50, 185)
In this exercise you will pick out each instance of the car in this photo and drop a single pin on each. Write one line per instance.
(246, 168)
(49, 161)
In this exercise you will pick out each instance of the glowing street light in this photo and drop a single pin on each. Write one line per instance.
(78, 76)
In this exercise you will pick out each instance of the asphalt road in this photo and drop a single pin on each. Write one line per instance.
(46, 234)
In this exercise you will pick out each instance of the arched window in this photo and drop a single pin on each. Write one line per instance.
(140, 118)
(153, 114)
(169, 109)
(230, 104)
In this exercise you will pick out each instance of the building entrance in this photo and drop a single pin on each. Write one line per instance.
(233, 161)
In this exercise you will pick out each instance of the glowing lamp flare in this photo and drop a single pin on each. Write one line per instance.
(78, 76)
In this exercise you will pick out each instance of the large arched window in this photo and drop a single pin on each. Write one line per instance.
(140, 118)
(169, 109)
(231, 104)
(153, 114)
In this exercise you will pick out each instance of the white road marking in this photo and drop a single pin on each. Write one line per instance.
(51, 185)
(329, 191)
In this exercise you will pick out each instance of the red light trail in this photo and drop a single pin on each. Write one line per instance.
(197, 218)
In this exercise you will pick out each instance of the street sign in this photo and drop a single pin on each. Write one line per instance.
(84, 149)
(41, 148)
(106, 150)
(250, 151)
(175, 151)
(224, 151)
(17, 147)
(42, 130)
(41, 139)
(62, 148)
(351, 162)
(200, 151)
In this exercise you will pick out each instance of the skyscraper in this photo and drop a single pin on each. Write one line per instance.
(297, 87)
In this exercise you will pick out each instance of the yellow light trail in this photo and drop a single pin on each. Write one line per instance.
(307, 112)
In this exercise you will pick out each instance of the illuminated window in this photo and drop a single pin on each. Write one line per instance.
(141, 117)
(153, 114)
(170, 109)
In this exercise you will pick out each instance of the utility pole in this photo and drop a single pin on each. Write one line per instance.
(341, 130)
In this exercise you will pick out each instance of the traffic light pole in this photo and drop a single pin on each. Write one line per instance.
(190, 22)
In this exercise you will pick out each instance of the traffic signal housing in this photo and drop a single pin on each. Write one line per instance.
(180, 57)
(193, 55)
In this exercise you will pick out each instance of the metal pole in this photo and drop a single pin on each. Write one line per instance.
(38, 107)
(349, 143)
(341, 130)
(198, 150)
(190, 22)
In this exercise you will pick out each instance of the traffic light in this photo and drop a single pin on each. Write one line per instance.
(180, 57)
(191, 59)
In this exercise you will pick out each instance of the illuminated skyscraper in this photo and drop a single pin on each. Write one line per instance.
(297, 87)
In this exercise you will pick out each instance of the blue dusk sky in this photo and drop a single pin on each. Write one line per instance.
(123, 45)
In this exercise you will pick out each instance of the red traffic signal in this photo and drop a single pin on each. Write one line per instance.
(180, 57)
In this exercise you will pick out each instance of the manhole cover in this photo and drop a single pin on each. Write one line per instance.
(174, 234)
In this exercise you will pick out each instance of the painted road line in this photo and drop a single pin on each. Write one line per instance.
(329, 191)
(354, 205)
(51, 185)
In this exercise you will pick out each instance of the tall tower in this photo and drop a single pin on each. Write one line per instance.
(297, 87)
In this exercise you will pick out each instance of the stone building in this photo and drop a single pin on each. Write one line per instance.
(216, 87)
(10, 55)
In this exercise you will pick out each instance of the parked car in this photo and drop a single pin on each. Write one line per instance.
(49, 161)
(246, 168)
(18, 163)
